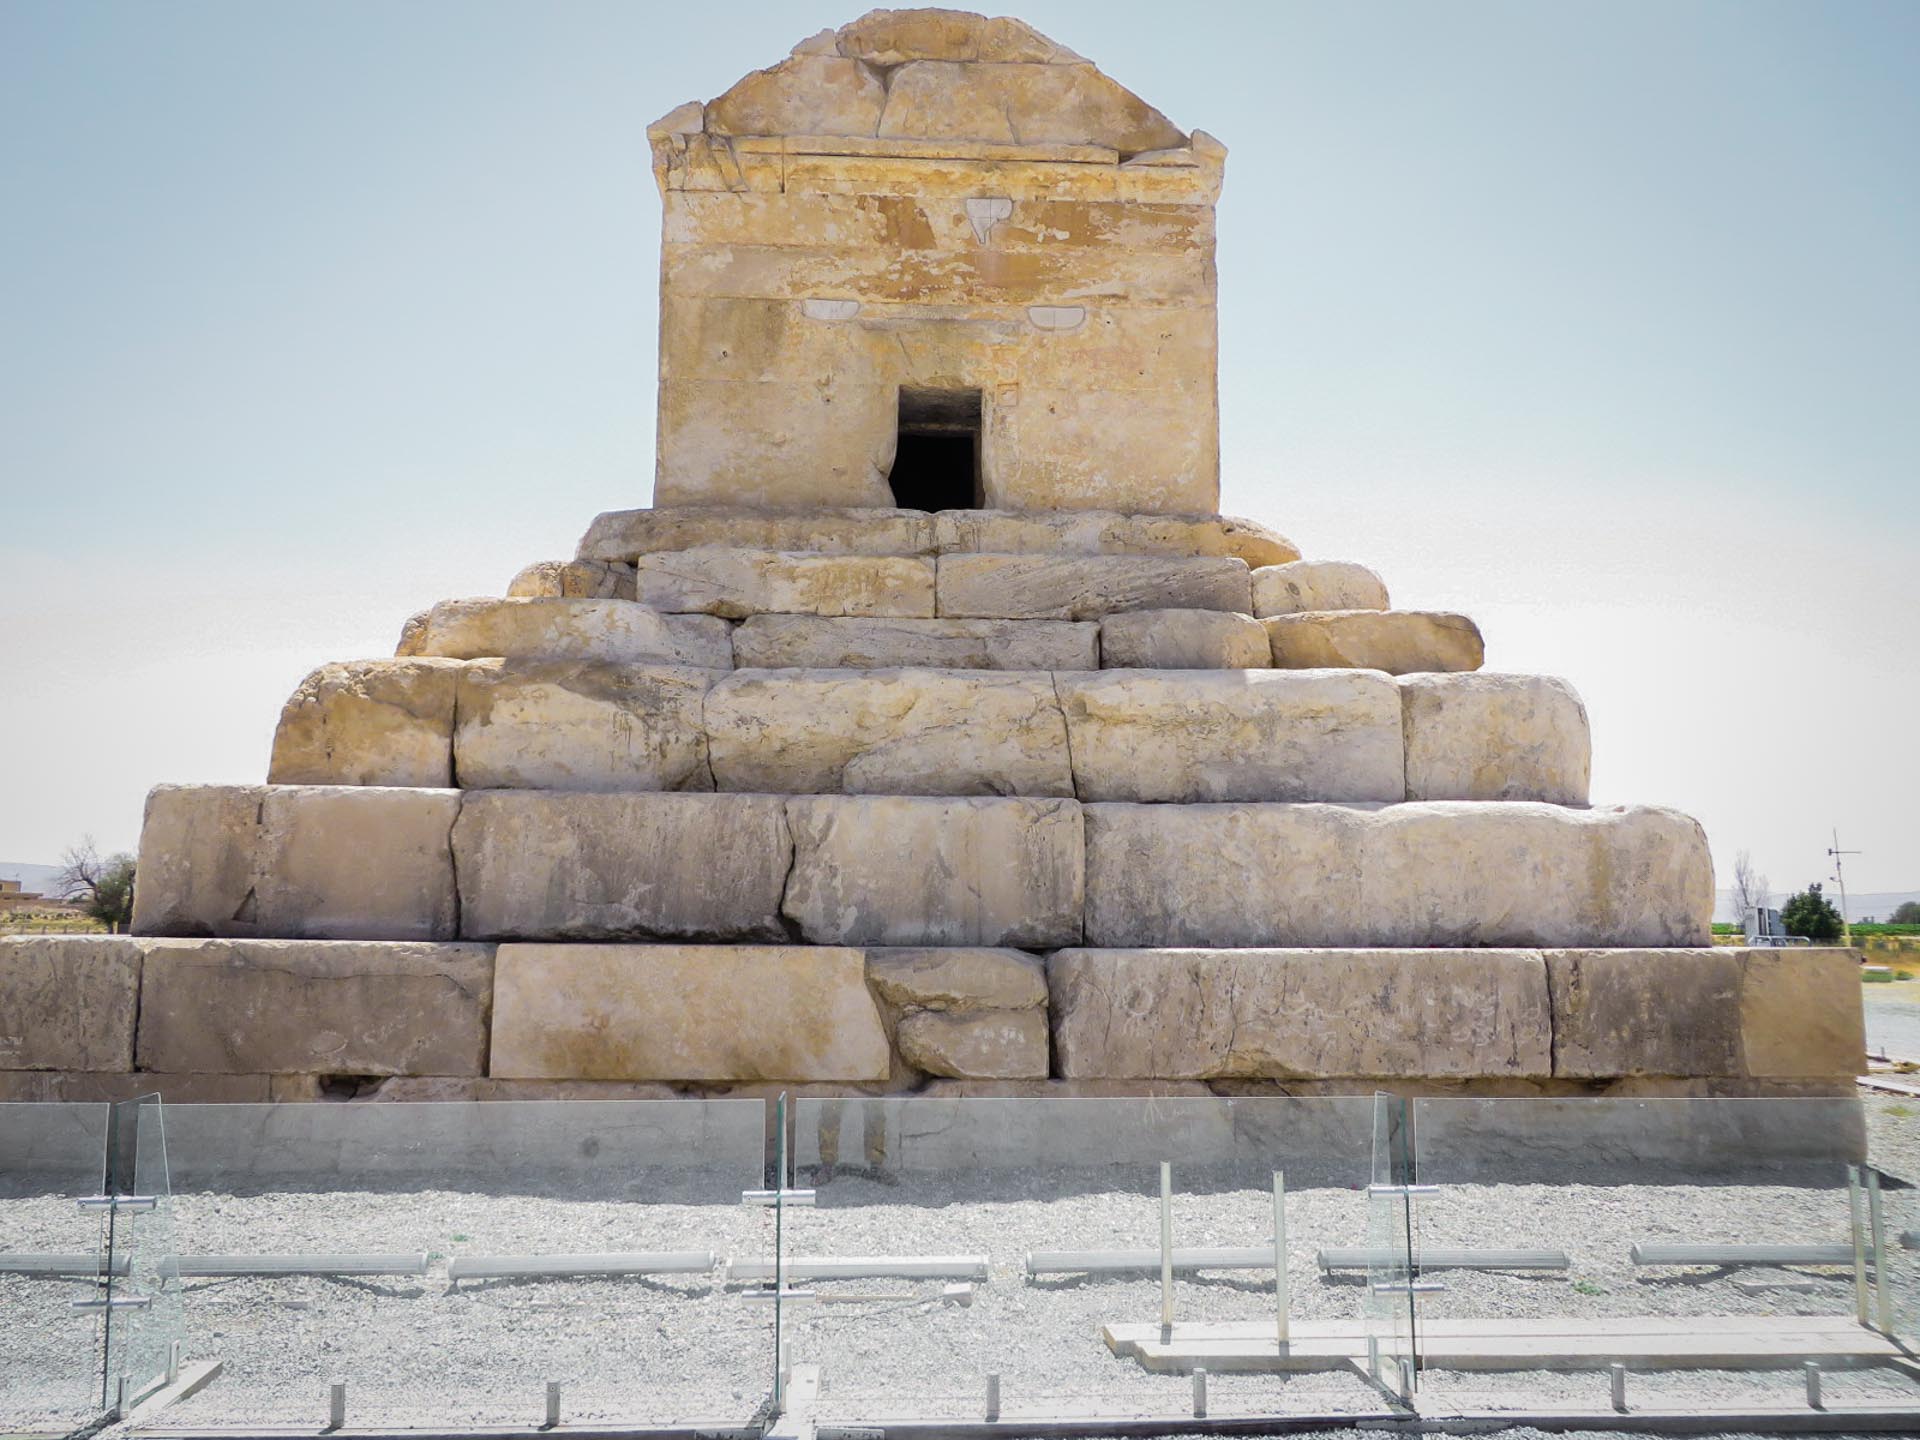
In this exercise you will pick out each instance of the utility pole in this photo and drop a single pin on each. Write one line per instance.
(1840, 879)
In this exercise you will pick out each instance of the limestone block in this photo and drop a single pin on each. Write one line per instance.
(887, 870)
(612, 630)
(581, 725)
(369, 722)
(304, 1007)
(828, 643)
(894, 37)
(1292, 586)
(789, 444)
(625, 535)
(1107, 532)
(1305, 1014)
(68, 1002)
(1141, 451)
(1495, 737)
(958, 979)
(737, 583)
(1399, 642)
(560, 866)
(982, 1045)
(685, 1012)
(1183, 640)
(573, 580)
(1801, 1013)
(1645, 1012)
(1188, 735)
(889, 732)
(353, 863)
(802, 95)
(1083, 587)
(1431, 874)
(197, 844)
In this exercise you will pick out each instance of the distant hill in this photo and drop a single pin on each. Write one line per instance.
(1877, 903)
(35, 879)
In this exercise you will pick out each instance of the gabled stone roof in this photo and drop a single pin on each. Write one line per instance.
(935, 76)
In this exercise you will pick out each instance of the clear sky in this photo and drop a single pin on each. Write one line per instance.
(1598, 321)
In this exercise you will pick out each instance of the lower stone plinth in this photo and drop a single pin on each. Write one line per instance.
(68, 1002)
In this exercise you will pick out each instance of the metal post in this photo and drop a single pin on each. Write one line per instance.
(337, 1405)
(553, 1402)
(1812, 1369)
(1282, 1294)
(1166, 1245)
(1859, 1245)
(1199, 1394)
(993, 1396)
(173, 1361)
(1878, 1220)
(1619, 1374)
(1373, 1357)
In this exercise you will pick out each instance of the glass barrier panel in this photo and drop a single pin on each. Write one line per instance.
(1389, 1265)
(969, 1257)
(52, 1254)
(1893, 1156)
(1707, 1245)
(144, 1328)
(447, 1262)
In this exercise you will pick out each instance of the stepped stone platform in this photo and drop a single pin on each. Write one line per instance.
(932, 730)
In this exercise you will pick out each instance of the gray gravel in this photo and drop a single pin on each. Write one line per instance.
(687, 1347)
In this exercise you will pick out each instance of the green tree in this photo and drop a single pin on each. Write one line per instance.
(1907, 912)
(1811, 914)
(103, 885)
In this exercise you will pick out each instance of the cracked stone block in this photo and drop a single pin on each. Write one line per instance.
(686, 1013)
(563, 629)
(1399, 642)
(738, 583)
(369, 722)
(554, 865)
(1087, 587)
(68, 1002)
(1645, 1012)
(573, 580)
(625, 535)
(289, 1007)
(1107, 532)
(820, 642)
(1495, 737)
(1298, 585)
(1183, 640)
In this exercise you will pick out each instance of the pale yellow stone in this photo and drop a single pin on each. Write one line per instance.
(1432, 874)
(315, 1007)
(581, 725)
(1105, 532)
(1801, 1013)
(1495, 737)
(1081, 587)
(1183, 640)
(1287, 588)
(802, 95)
(541, 865)
(1645, 1012)
(886, 870)
(830, 643)
(562, 629)
(685, 1013)
(888, 732)
(1399, 642)
(347, 863)
(195, 872)
(573, 580)
(1186, 736)
(625, 535)
(68, 1002)
(960, 979)
(1300, 1014)
(983, 1045)
(737, 583)
(369, 722)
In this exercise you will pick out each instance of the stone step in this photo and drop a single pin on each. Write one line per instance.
(99, 1008)
(1400, 642)
(622, 536)
(737, 583)
(1316, 585)
(325, 862)
(1137, 735)
(817, 642)
(566, 628)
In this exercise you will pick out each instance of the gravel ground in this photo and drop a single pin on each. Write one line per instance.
(416, 1351)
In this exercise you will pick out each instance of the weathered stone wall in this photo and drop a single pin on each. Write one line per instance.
(871, 214)
(84, 1017)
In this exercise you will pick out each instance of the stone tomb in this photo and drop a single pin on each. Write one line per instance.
(932, 728)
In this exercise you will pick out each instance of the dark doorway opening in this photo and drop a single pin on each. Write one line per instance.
(936, 462)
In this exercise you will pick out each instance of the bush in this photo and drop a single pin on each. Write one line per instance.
(1811, 914)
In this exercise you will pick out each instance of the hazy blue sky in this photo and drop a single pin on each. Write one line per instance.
(1599, 321)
